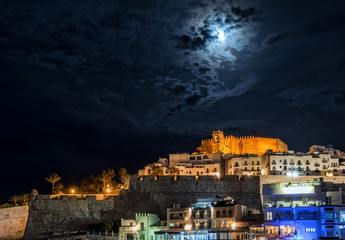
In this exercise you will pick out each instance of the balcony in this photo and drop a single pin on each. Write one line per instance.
(317, 165)
(285, 217)
(324, 161)
(291, 163)
(306, 217)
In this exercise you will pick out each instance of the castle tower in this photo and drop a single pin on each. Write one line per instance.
(218, 136)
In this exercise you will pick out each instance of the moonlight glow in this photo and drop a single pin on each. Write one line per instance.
(221, 36)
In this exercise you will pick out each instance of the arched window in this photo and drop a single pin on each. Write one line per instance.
(218, 214)
(230, 213)
(223, 213)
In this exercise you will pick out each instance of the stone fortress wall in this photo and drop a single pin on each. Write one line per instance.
(12, 222)
(148, 195)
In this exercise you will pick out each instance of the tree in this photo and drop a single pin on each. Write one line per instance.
(24, 199)
(59, 189)
(53, 178)
(124, 177)
(15, 199)
(90, 185)
(175, 171)
(156, 171)
(106, 178)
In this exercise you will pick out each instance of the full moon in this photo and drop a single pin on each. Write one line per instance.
(221, 36)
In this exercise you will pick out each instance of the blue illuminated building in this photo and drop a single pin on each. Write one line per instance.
(303, 210)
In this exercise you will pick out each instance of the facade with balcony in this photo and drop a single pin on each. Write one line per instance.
(291, 163)
(244, 165)
(298, 210)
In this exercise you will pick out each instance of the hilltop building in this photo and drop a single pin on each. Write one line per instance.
(240, 145)
(229, 155)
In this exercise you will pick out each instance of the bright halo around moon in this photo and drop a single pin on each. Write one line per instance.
(221, 36)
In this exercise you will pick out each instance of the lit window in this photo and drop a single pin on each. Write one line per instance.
(269, 216)
(329, 215)
(342, 216)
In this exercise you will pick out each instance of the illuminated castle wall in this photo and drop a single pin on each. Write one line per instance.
(240, 145)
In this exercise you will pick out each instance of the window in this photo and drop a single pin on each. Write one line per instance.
(223, 213)
(142, 226)
(258, 168)
(252, 162)
(310, 229)
(273, 162)
(224, 224)
(257, 162)
(218, 214)
(328, 215)
(245, 163)
(285, 162)
(342, 216)
(274, 168)
(269, 216)
(230, 213)
(245, 169)
(252, 168)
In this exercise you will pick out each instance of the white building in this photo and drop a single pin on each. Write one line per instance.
(291, 163)
(244, 165)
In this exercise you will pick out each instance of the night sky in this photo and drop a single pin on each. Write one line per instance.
(90, 85)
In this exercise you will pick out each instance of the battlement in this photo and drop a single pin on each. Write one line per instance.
(240, 145)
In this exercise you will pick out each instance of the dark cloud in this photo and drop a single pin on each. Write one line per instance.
(88, 84)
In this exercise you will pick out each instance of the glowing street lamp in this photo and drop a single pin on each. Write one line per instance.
(188, 227)
(233, 225)
(72, 191)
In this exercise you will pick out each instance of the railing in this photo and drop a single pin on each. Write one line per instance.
(285, 217)
(306, 217)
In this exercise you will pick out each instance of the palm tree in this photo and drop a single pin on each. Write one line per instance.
(156, 171)
(175, 171)
(53, 178)
(106, 177)
(59, 188)
(15, 199)
(24, 199)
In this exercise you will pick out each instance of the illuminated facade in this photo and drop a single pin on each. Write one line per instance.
(303, 210)
(290, 163)
(187, 165)
(245, 165)
(143, 227)
(210, 218)
(240, 145)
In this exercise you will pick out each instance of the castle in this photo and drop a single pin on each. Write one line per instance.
(240, 145)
